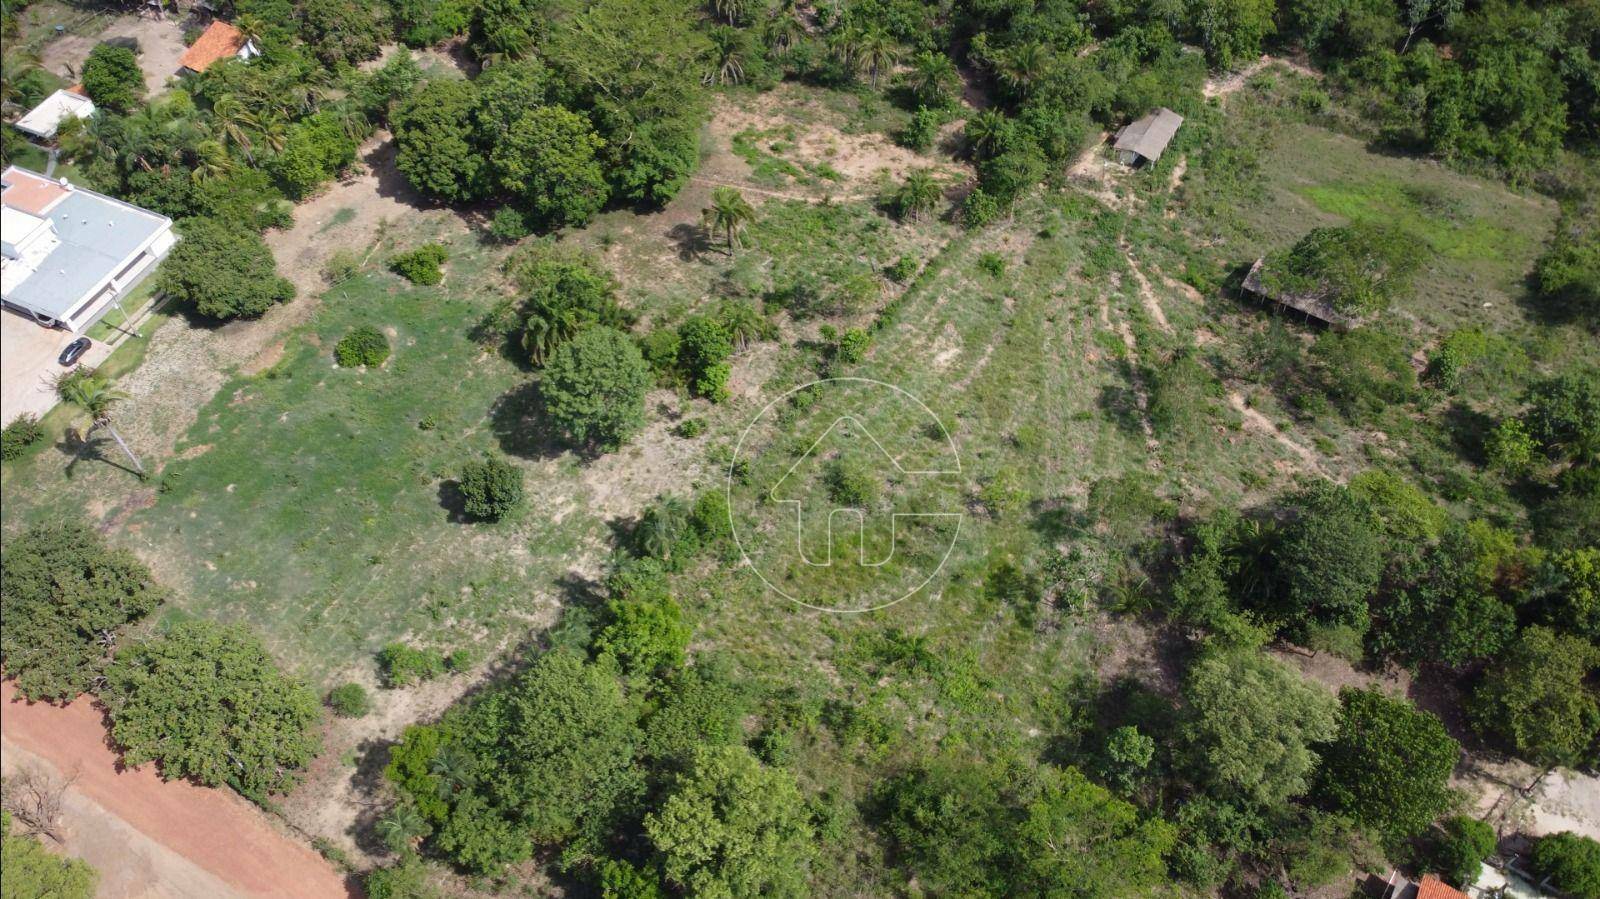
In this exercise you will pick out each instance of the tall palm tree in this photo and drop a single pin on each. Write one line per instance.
(234, 124)
(783, 27)
(402, 827)
(918, 194)
(1023, 68)
(986, 133)
(548, 327)
(933, 78)
(731, 11)
(211, 161)
(95, 396)
(725, 56)
(729, 213)
(875, 52)
(660, 527)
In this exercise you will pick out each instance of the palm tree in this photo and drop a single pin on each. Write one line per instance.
(660, 527)
(933, 78)
(986, 133)
(729, 213)
(96, 397)
(453, 767)
(726, 55)
(732, 11)
(917, 195)
(234, 124)
(211, 161)
(547, 327)
(402, 827)
(744, 324)
(783, 28)
(875, 52)
(1025, 66)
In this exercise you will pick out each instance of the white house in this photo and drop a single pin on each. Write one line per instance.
(42, 121)
(70, 253)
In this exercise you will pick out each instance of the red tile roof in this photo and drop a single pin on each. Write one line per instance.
(219, 41)
(1434, 888)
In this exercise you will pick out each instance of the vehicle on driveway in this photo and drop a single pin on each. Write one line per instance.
(74, 350)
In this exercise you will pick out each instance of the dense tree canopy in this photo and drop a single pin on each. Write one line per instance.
(64, 599)
(594, 388)
(112, 78)
(205, 701)
(1536, 698)
(223, 271)
(1389, 766)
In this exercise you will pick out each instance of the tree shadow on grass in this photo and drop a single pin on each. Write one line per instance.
(690, 240)
(1121, 404)
(521, 426)
(453, 502)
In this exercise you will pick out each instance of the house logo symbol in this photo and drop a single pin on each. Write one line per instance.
(845, 495)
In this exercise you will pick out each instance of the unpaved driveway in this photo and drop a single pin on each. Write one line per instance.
(160, 47)
(149, 837)
(28, 365)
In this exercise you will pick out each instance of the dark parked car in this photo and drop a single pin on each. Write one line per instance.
(74, 350)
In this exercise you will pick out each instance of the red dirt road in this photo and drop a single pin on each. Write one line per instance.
(163, 838)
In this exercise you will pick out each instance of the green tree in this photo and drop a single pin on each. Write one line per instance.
(549, 159)
(65, 597)
(1459, 847)
(343, 32)
(33, 872)
(491, 487)
(433, 139)
(349, 701)
(1128, 754)
(933, 79)
(1389, 766)
(1067, 817)
(729, 213)
(1360, 269)
(204, 700)
(1329, 561)
(646, 633)
(703, 350)
(594, 388)
(950, 825)
(1509, 448)
(730, 826)
(918, 195)
(1250, 724)
(1564, 416)
(1571, 861)
(1536, 699)
(1232, 30)
(1571, 584)
(223, 270)
(112, 78)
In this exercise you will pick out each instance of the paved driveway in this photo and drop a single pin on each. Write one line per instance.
(28, 364)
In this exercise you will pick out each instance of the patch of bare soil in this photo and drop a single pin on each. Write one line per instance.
(657, 461)
(160, 47)
(1336, 673)
(1220, 86)
(1260, 424)
(1147, 295)
(150, 837)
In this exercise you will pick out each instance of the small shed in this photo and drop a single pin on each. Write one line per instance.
(1144, 140)
(43, 120)
(218, 42)
(1311, 304)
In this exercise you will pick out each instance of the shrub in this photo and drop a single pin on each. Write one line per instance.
(1457, 851)
(22, 433)
(422, 265)
(1509, 448)
(509, 224)
(921, 131)
(112, 78)
(401, 666)
(850, 483)
(342, 265)
(903, 269)
(491, 488)
(594, 388)
(1571, 861)
(703, 350)
(364, 345)
(691, 427)
(349, 700)
(979, 209)
(853, 345)
(992, 264)
(1359, 268)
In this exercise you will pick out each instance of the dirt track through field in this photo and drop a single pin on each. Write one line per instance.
(150, 837)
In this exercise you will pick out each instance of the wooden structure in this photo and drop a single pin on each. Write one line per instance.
(1314, 305)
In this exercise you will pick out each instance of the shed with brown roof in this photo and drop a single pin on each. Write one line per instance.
(1145, 139)
(218, 42)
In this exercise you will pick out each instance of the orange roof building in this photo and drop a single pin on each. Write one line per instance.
(218, 42)
(1432, 887)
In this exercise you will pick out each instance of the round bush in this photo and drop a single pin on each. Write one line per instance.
(1571, 861)
(349, 701)
(491, 488)
(365, 345)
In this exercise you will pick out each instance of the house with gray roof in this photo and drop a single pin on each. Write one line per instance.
(1144, 140)
(71, 253)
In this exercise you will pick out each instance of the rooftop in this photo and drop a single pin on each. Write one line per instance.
(1315, 305)
(1150, 135)
(219, 41)
(44, 119)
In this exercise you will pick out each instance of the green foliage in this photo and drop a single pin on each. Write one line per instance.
(491, 488)
(1360, 269)
(1571, 861)
(549, 159)
(112, 78)
(406, 879)
(566, 293)
(921, 130)
(1364, 370)
(315, 149)
(703, 350)
(694, 707)
(344, 32)
(1069, 813)
(1128, 754)
(1389, 766)
(1564, 416)
(223, 271)
(1441, 609)
(853, 345)
(594, 387)
(620, 880)
(852, 483)
(349, 700)
(400, 665)
(1459, 847)
(423, 23)
(729, 826)
(434, 141)
(364, 345)
(205, 701)
(646, 633)
(509, 225)
(1535, 698)
(1509, 448)
(1571, 587)
(65, 597)
(422, 265)
(1329, 560)
(19, 436)
(33, 872)
(1251, 722)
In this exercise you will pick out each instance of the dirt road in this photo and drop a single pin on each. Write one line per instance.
(151, 838)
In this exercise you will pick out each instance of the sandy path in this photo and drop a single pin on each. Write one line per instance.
(1223, 85)
(150, 837)
(1147, 294)
(1255, 421)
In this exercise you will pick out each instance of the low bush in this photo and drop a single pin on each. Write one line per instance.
(401, 666)
(422, 265)
(364, 345)
(1571, 861)
(349, 700)
(491, 488)
(18, 436)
